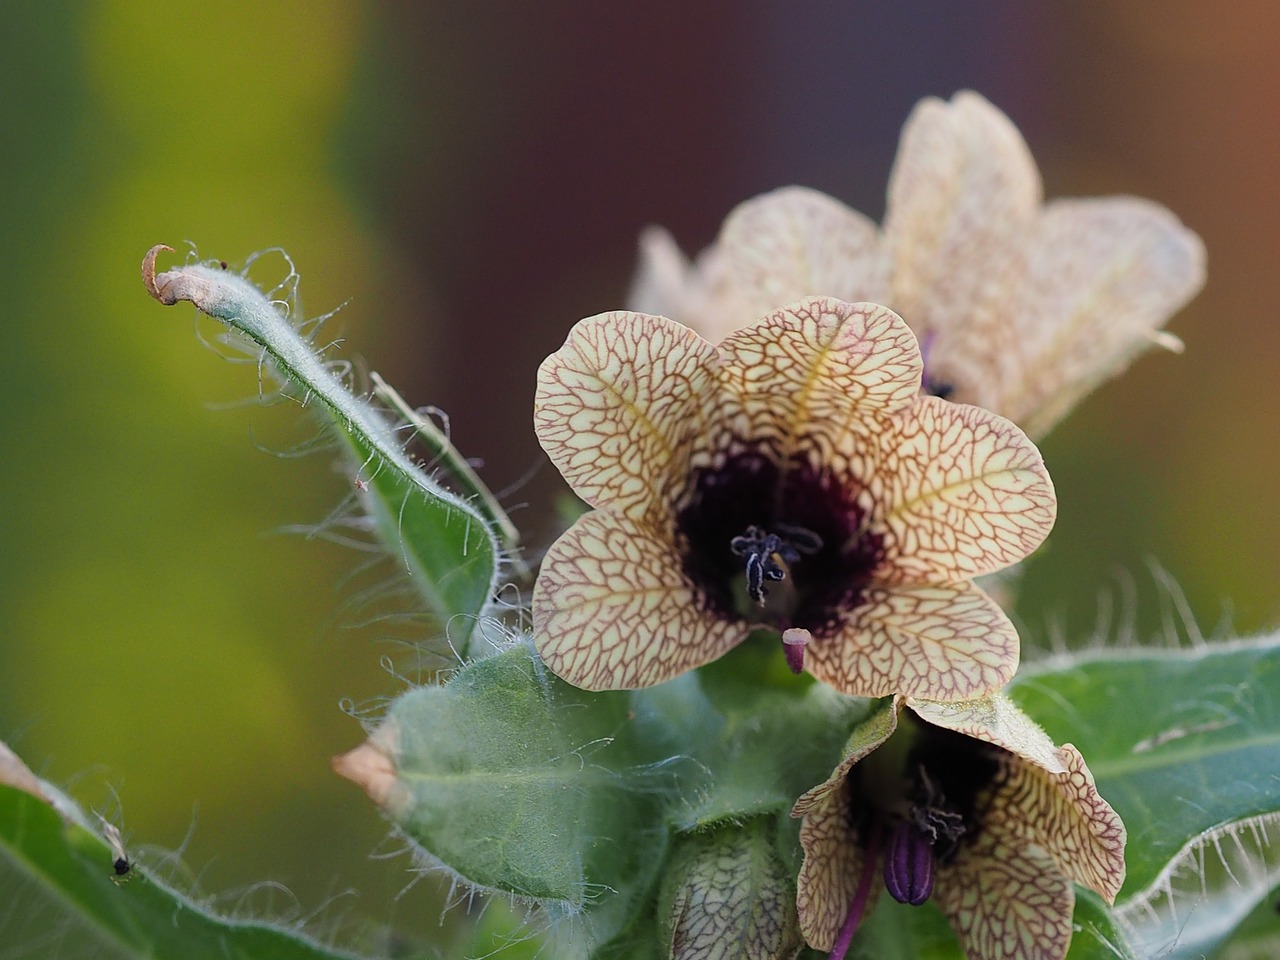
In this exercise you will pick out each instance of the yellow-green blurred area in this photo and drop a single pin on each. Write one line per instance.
(469, 179)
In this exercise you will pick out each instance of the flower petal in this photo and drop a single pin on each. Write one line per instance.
(873, 730)
(1009, 893)
(963, 190)
(997, 720)
(796, 242)
(613, 610)
(1063, 814)
(940, 643)
(696, 294)
(1006, 901)
(833, 864)
(804, 377)
(1102, 276)
(619, 406)
(961, 493)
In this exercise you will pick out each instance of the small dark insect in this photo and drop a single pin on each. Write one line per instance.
(120, 862)
(222, 264)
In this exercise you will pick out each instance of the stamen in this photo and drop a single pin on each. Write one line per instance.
(936, 818)
(929, 834)
(768, 555)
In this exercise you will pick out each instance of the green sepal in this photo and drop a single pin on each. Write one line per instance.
(751, 747)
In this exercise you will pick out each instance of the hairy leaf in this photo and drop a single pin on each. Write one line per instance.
(445, 543)
(1178, 740)
(62, 896)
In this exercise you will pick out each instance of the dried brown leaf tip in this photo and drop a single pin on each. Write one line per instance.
(1021, 307)
(970, 805)
(149, 274)
(372, 767)
(792, 477)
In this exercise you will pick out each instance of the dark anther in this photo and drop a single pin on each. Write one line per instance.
(908, 864)
(769, 554)
(935, 817)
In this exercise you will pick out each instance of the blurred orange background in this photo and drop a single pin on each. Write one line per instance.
(470, 179)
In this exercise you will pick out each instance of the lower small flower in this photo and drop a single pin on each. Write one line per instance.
(968, 804)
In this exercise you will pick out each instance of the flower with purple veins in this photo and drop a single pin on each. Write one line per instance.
(792, 477)
(965, 803)
(1022, 307)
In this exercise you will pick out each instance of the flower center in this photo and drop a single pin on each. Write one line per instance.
(751, 522)
(932, 828)
(915, 801)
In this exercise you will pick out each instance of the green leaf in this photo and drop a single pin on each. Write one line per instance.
(1206, 892)
(524, 784)
(1178, 740)
(451, 459)
(1258, 937)
(56, 882)
(446, 544)
(1098, 935)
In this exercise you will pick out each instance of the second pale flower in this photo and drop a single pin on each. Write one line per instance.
(792, 477)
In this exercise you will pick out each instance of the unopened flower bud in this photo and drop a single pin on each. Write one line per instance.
(728, 887)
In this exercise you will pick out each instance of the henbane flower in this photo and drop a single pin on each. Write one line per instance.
(1021, 307)
(792, 477)
(969, 804)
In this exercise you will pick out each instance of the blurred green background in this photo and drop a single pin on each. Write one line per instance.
(470, 179)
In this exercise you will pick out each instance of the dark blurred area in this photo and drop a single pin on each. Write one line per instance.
(470, 180)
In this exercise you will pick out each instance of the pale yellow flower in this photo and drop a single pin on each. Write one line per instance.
(970, 805)
(1021, 307)
(792, 477)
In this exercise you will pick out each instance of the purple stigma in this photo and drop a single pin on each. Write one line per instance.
(794, 641)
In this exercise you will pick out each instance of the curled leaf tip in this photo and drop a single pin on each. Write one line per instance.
(1167, 341)
(149, 273)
